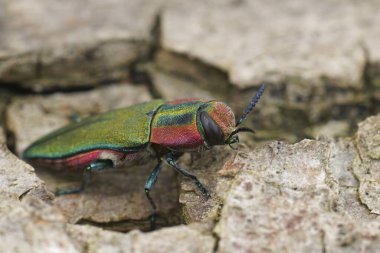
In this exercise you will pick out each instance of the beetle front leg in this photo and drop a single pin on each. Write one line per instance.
(173, 164)
(148, 186)
(95, 166)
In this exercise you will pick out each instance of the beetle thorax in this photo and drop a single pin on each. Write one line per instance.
(174, 126)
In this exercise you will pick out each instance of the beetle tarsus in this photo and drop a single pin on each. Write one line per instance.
(153, 216)
(203, 189)
(183, 172)
(148, 186)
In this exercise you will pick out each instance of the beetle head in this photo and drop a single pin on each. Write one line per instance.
(218, 122)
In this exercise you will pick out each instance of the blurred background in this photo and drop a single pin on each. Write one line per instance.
(320, 61)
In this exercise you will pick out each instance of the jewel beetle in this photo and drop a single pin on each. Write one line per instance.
(153, 129)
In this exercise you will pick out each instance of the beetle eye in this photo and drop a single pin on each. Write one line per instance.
(214, 135)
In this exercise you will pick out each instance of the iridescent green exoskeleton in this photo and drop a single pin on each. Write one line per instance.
(157, 129)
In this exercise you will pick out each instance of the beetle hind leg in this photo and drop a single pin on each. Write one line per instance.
(171, 161)
(95, 166)
(148, 186)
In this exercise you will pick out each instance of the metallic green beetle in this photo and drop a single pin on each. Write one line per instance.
(154, 129)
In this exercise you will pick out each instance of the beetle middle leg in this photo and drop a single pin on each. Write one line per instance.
(95, 166)
(171, 161)
(148, 186)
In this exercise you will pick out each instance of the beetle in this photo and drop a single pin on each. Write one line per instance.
(153, 129)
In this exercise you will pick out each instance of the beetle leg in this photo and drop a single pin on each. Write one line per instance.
(95, 166)
(172, 163)
(148, 186)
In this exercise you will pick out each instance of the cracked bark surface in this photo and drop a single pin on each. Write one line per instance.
(297, 198)
(252, 46)
(82, 45)
(367, 164)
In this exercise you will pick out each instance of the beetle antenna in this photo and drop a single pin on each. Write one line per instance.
(251, 104)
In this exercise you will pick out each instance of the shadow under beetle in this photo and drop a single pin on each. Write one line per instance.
(157, 128)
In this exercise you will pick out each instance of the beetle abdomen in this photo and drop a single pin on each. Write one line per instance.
(82, 160)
